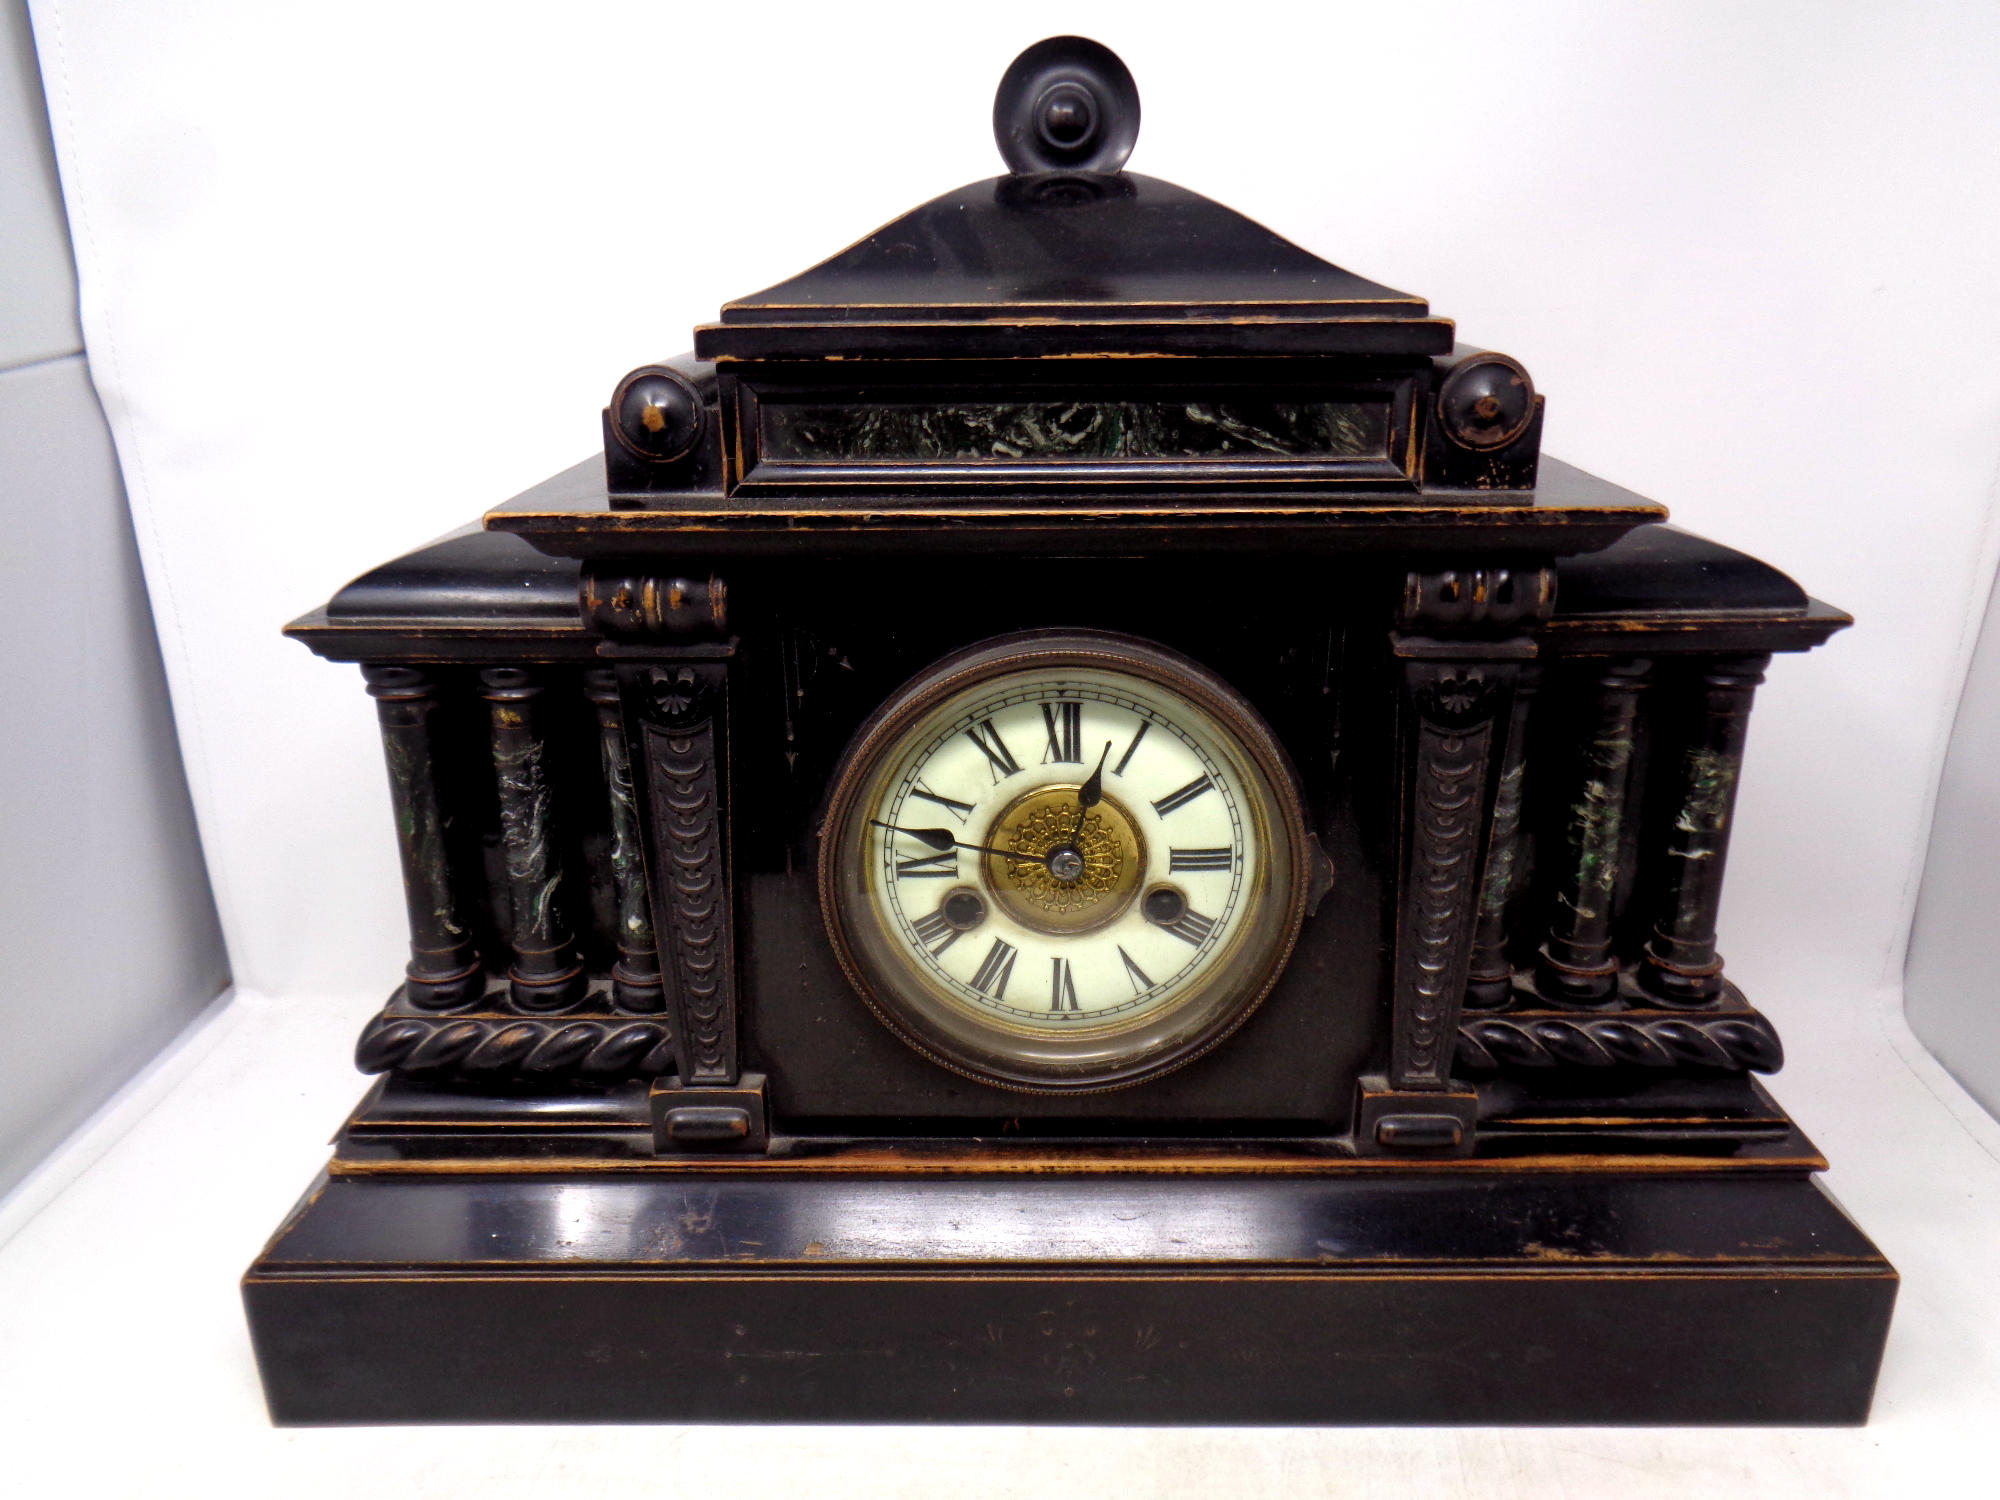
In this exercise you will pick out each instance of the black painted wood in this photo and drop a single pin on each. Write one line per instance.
(1202, 523)
(1539, 1298)
(1447, 806)
(1059, 259)
(677, 713)
(450, 599)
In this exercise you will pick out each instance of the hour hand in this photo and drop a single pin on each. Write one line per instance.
(941, 839)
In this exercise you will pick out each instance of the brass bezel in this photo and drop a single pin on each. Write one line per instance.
(1100, 1058)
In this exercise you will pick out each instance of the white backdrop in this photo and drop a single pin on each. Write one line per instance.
(353, 273)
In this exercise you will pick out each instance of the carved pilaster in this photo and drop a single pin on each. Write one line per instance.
(1577, 965)
(547, 972)
(1684, 881)
(1452, 706)
(1463, 640)
(676, 712)
(1490, 981)
(444, 965)
(635, 977)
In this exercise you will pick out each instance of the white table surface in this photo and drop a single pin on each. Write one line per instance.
(125, 1368)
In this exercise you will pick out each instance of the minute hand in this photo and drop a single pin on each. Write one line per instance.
(1090, 794)
(941, 839)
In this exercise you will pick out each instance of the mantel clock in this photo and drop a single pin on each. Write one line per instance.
(1071, 823)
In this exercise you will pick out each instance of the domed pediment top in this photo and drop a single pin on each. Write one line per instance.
(1169, 267)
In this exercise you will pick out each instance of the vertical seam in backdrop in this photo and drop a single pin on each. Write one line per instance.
(181, 691)
(1971, 622)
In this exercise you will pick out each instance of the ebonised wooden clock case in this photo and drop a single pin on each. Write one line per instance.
(1467, 1124)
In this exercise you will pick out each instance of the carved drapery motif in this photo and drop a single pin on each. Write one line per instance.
(1453, 704)
(1466, 640)
(680, 711)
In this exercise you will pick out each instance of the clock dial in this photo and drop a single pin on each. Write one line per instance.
(1063, 862)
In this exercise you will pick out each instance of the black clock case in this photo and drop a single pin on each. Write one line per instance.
(472, 1231)
(1494, 1147)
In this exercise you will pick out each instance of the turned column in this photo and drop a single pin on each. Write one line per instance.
(547, 972)
(635, 978)
(444, 965)
(1490, 981)
(1681, 966)
(1576, 964)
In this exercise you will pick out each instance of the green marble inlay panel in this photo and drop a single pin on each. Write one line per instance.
(1075, 430)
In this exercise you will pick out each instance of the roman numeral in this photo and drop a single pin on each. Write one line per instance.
(1062, 986)
(929, 867)
(1175, 800)
(995, 970)
(1140, 983)
(987, 738)
(1191, 927)
(959, 810)
(1200, 859)
(1126, 759)
(934, 932)
(1065, 725)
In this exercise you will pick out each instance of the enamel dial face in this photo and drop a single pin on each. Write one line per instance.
(1063, 862)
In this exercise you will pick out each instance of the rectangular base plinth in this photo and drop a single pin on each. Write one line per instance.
(1476, 1296)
